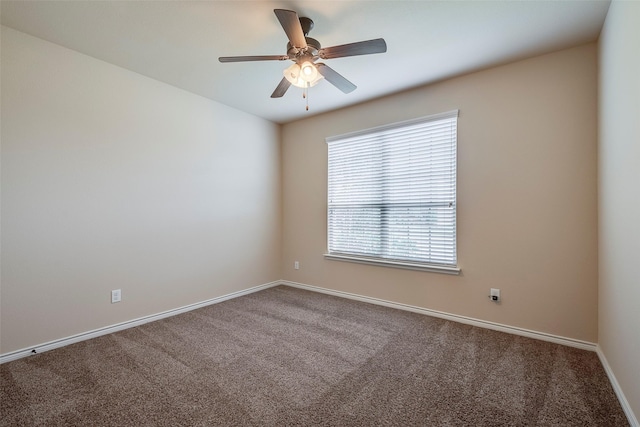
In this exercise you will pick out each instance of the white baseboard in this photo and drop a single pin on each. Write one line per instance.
(40, 348)
(633, 421)
(585, 345)
(146, 319)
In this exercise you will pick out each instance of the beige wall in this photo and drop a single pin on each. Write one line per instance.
(619, 197)
(527, 212)
(114, 180)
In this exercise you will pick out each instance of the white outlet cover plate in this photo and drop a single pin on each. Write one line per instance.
(116, 296)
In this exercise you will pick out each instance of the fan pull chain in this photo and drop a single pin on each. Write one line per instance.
(306, 94)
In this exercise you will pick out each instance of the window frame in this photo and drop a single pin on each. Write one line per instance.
(389, 262)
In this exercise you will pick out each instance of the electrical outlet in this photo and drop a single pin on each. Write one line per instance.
(495, 295)
(296, 265)
(116, 296)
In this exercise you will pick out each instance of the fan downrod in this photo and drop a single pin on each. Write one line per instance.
(307, 25)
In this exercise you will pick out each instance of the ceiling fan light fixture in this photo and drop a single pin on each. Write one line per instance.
(302, 77)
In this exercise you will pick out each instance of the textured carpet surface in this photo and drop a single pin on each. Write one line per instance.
(285, 356)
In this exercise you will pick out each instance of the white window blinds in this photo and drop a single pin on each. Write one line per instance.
(392, 192)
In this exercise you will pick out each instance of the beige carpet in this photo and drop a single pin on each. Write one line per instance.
(285, 356)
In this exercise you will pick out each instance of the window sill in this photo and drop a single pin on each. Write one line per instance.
(395, 264)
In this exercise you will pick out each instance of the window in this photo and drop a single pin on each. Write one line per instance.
(392, 194)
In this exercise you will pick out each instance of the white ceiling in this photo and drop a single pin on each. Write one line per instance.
(178, 42)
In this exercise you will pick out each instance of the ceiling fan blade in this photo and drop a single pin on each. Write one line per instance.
(353, 49)
(252, 58)
(291, 25)
(335, 79)
(281, 88)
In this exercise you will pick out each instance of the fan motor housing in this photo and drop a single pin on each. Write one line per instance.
(313, 46)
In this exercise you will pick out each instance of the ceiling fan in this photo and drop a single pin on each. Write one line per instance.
(305, 52)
